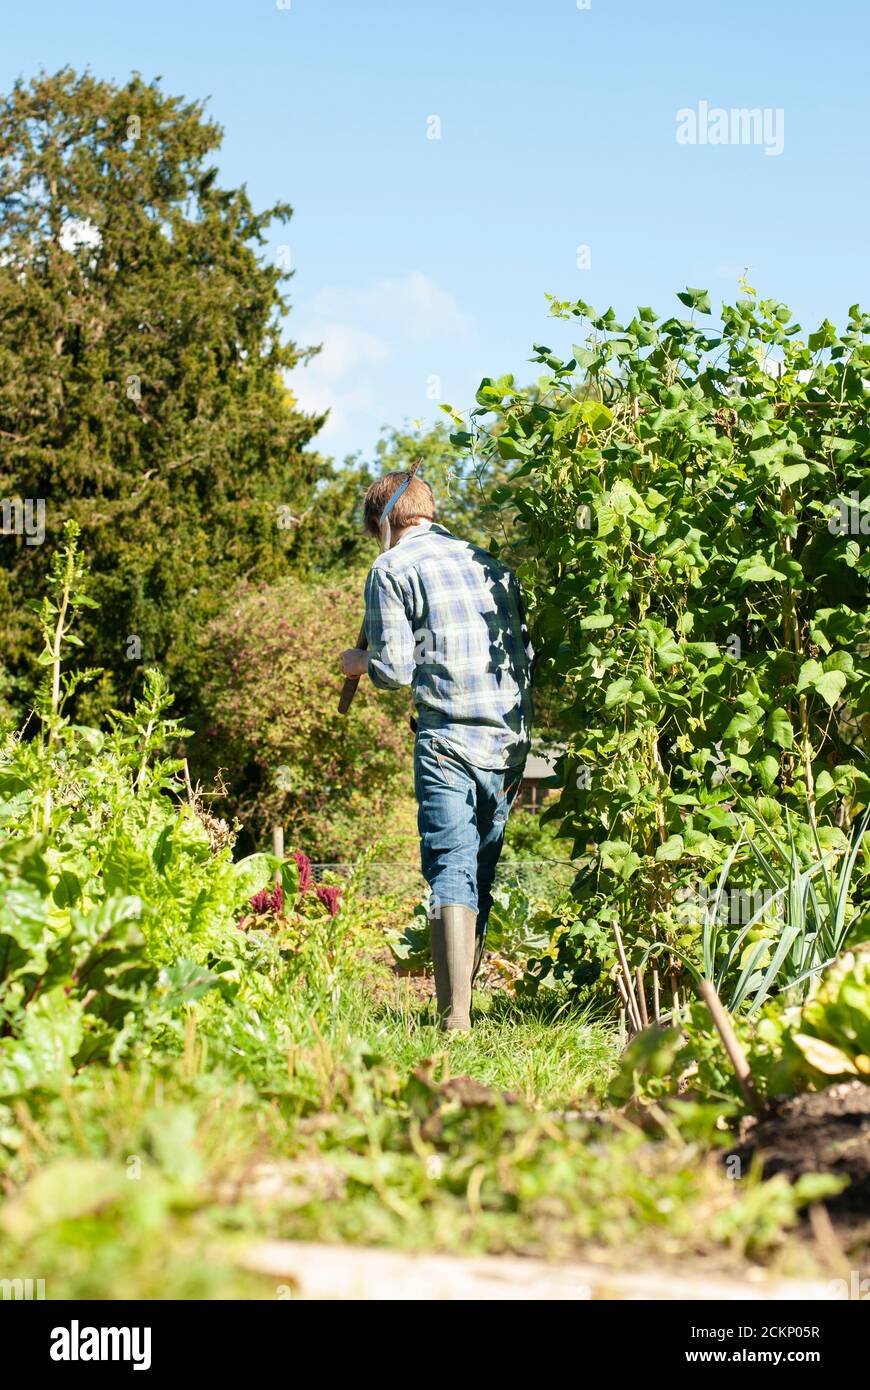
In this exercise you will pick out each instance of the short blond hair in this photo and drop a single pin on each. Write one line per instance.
(415, 503)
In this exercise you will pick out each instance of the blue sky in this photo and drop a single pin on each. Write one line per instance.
(421, 264)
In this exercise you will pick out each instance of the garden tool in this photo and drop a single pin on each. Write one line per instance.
(453, 952)
(348, 690)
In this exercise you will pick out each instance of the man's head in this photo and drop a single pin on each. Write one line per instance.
(415, 504)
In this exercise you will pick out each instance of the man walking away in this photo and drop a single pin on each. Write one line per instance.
(445, 617)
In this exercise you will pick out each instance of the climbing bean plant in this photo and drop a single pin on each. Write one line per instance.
(695, 514)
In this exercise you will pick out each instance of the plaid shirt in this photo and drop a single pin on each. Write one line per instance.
(446, 618)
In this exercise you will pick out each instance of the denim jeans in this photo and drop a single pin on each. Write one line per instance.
(462, 814)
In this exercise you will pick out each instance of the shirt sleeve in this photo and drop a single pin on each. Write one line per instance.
(389, 633)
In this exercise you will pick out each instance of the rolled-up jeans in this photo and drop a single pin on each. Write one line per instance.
(461, 816)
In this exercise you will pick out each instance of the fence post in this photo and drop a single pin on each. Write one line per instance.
(278, 847)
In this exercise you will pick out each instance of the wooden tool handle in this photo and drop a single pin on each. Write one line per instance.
(348, 690)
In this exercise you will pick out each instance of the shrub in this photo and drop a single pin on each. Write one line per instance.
(335, 782)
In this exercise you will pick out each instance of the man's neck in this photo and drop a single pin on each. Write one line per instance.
(397, 535)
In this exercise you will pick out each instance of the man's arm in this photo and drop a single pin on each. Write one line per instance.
(389, 632)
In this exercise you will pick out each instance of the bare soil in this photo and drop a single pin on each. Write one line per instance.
(821, 1132)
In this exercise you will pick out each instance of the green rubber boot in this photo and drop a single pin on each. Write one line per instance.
(479, 943)
(453, 958)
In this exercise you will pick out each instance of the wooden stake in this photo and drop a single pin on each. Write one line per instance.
(278, 847)
(736, 1055)
(641, 994)
(657, 1011)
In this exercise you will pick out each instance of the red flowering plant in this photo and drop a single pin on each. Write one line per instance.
(303, 864)
(330, 897)
(289, 902)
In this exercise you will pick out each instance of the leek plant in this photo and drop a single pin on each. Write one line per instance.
(813, 907)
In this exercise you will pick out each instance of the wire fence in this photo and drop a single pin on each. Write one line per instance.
(544, 878)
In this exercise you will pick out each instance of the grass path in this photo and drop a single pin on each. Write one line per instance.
(547, 1062)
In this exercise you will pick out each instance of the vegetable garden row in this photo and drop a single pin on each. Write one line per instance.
(199, 1048)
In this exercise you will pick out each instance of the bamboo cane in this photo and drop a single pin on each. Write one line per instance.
(630, 1006)
(725, 1029)
(641, 994)
(629, 984)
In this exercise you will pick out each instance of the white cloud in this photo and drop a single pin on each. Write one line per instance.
(406, 307)
(344, 407)
(345, 347)
(345, 350)
(371, 338)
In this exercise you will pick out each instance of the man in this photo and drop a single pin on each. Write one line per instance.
(445, 617)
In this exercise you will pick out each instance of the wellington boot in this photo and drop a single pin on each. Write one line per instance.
(453, 944)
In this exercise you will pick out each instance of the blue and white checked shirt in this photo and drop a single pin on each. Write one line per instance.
(446, 618)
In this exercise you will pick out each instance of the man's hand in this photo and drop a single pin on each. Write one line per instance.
(354, 662)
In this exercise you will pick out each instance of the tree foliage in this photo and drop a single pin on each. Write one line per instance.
(141, 366)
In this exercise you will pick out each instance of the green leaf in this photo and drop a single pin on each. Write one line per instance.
(778, 728)
(68, 888)
(673, 848)
(619, 858)
(65, 1190)
(755, 570)
(595, 415)
(509, 448)
(830, 685)
(253, 873)
(668, 652)
(617, 692)
(695, 299)
(809, 673)
(823, 1056)
(793, 472)
(768, 771)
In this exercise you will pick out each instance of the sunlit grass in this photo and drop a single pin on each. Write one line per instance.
(547, 1062)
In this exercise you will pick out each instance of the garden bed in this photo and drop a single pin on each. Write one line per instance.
(820, 1132)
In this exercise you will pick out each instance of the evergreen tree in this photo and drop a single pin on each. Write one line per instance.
(142, 355)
